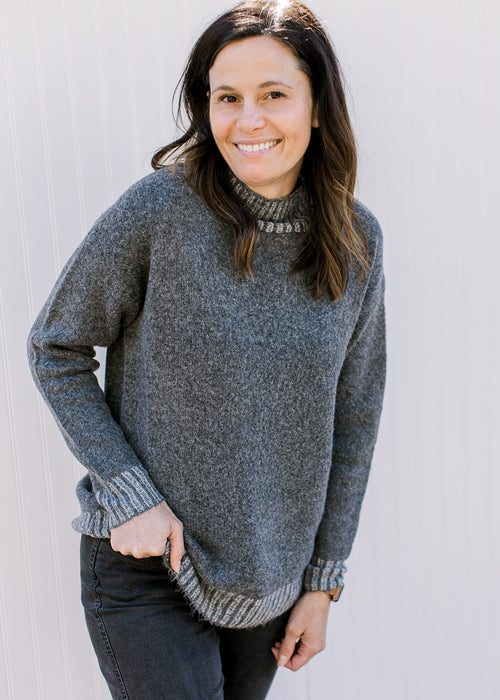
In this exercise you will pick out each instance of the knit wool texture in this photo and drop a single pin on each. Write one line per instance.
(251, 408)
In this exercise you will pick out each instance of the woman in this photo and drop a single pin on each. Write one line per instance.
(240, 298)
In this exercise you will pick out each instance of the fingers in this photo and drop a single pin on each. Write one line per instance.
(176, 545)
(290, 644)
(305, 634)
(146, 535)
(135, 546)
(300, 657)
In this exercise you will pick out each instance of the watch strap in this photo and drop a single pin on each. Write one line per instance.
(335, 593)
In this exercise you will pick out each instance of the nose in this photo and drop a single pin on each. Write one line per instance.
(251, 117)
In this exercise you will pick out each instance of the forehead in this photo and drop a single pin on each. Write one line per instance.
(255, 57)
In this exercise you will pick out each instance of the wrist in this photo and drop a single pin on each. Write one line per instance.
(332, 595)
(320, 594)
(318, 599)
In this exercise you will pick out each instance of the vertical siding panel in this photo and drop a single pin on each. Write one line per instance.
(35, 32)
(22, 520)
(6, 666)
(162, 100)
(131, 84)
(77, 158)
(102, 100)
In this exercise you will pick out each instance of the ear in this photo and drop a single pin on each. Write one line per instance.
(315, 122)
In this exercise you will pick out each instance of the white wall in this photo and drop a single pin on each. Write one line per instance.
(84, 101)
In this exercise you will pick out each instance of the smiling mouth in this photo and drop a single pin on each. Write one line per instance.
(257, 147)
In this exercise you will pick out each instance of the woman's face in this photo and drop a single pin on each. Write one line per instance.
(261, 113)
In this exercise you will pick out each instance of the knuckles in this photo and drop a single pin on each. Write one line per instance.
(156, 552)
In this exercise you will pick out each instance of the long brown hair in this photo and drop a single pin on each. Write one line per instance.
(335, 241)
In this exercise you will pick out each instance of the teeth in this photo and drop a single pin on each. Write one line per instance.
(249, 148)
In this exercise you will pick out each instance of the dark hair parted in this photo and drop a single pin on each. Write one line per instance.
(335, 241)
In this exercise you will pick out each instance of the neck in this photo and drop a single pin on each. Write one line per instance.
(292, 207)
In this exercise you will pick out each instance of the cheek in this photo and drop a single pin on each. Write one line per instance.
(299, 133)
(297, 124)
(220, 125)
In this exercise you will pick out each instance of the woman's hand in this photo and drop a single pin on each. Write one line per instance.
(305, 633)
(146, 535)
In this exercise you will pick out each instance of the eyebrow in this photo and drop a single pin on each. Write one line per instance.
(268, 83)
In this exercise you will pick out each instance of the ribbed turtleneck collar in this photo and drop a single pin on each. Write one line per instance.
(290, 209)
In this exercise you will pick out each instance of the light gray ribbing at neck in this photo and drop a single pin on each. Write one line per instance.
(284, 214)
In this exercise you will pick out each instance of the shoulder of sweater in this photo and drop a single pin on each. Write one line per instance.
(155, 198)
(371, 228)
(161, 187)
(369, 221)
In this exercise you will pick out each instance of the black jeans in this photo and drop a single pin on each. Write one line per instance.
(151, 646)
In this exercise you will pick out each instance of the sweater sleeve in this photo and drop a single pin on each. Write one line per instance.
(357, 414)
(100, 291)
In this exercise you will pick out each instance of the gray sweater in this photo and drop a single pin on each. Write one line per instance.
(249, 407)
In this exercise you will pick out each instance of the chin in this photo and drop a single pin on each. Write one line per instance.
(252, 179)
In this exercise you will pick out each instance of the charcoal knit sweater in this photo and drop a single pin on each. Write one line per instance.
(249, 407)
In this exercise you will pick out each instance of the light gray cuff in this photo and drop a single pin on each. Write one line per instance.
(323, 575)
(127, 495)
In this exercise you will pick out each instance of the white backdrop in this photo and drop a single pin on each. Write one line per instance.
(85, 92)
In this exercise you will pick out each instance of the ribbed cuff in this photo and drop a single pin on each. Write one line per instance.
(127, 495)
(323, 575)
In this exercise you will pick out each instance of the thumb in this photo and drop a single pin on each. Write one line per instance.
(287, 647)
(177, 550)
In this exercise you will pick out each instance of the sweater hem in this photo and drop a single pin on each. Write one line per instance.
(229, 609)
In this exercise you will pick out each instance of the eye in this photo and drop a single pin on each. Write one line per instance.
(229, 99)
(275, 95)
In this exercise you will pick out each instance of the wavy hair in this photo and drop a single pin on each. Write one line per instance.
(335, 241)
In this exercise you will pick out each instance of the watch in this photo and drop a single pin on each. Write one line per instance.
(335, 593)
